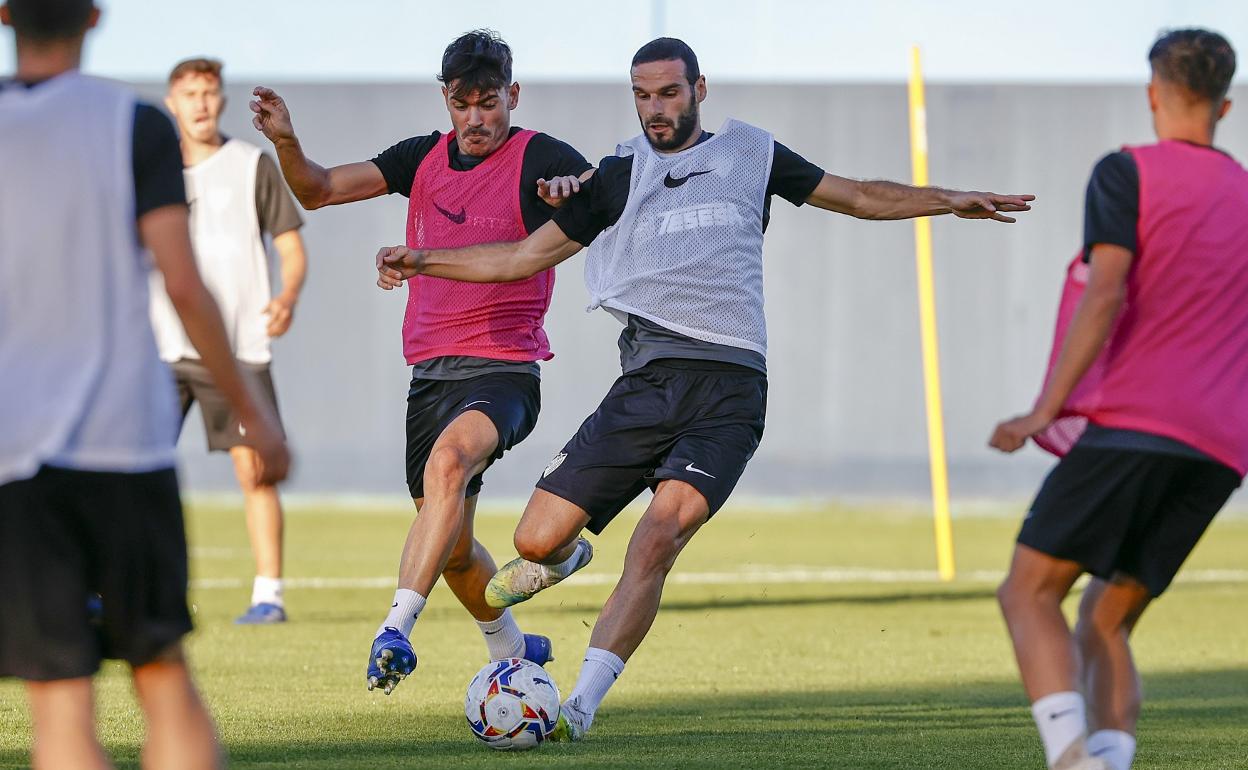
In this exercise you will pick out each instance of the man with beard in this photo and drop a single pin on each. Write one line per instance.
(681, 213)
(474, 349)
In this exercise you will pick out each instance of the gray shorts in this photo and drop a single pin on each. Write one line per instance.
(220, 423)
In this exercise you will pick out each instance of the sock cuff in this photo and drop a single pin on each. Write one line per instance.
(1110, 738)
(607, 658)
(1058, 701)
(267, 582)
(502, 621)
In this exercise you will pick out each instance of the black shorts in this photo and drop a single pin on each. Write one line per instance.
(220, 423)
(1130, 512)
(510, 399)
(696, 421)
(66, 536)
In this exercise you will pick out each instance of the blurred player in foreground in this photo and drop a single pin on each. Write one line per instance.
(88, 494)
(676, 224)
(1146, 401)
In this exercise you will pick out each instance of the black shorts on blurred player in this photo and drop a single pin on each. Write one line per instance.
(695, 421)
(511, 400)
(67, 536)
(1136, 513)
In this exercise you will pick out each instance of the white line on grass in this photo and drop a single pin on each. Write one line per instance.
(740, 577)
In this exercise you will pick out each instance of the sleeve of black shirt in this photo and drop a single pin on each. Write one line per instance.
(545, 157)
(157, 161)
(600, 202)
(399, 162)
(792, 177)
(275, 207)
(1111, 209)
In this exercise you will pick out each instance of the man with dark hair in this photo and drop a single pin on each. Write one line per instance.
(88, 492)
(237, 197)
(675, 226)
(473, 349)
(1145, 402)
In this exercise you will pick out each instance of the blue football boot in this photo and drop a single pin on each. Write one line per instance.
(538, 649)
(262, 614)
(391, 660)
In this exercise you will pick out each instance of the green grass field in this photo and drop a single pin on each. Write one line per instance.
(800, 638)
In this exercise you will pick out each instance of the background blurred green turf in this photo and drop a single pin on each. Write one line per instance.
(737, 673)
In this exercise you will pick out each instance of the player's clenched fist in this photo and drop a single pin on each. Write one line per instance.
(396, 263)
(272, 118)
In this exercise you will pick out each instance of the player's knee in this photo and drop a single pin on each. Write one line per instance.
(534, 546)
(1011, 595)
(446, 469)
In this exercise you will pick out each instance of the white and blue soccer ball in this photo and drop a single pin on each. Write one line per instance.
(512, 704)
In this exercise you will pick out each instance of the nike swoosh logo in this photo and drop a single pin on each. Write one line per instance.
(458, 219)
(392, 606)
(474, 403)
(491, 633)
(673, 182)
(1061, 714)
(692, 469)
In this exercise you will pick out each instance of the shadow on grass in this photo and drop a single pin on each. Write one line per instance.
(764, 600)
(1191, 720)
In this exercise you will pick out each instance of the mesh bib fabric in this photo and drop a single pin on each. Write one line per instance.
(1176, 364)
(687, 252)
(451, 209)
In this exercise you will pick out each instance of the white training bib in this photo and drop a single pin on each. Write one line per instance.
(81, 385)
(230, 253)
(687, 252)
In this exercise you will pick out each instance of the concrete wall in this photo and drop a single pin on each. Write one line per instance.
(846, 402)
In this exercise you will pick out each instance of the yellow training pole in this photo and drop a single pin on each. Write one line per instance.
(927, 327)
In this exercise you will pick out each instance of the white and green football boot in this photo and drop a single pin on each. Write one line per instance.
(571, 725)
(520, 579)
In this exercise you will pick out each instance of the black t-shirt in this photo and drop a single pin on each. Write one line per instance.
(1111, 209)
(602, 198)
(545, 157)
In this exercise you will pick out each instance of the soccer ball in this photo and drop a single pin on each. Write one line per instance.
(512, 704)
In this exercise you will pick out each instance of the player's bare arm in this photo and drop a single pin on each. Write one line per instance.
(485, 263)
(1089, 329)
(313, 185)
(294, 269)
(164, 232)
(878, 199)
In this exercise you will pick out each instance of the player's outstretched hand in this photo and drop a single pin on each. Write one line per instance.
(396, 264)
(555, 192)
(260, 432)
(1011, 435)
(272, 117)
(986, 205)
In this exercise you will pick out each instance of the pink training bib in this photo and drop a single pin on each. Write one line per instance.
(1176, 362)
(450, 209)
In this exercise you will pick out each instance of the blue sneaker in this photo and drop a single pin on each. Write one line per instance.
(262, 614)
(538, 649)
(390, 661)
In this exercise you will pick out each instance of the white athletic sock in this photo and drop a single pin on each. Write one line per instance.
(267, 590)
(599, 671)
(403, 613)
(503, 637)
(1114, 746)
(568, 565)
(1062, 720)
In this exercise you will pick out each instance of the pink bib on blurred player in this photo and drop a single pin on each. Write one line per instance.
(1176, 362)
(449, 209)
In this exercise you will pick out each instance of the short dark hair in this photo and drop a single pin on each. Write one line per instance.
(476, 61)
(1199, 60)
(669, 49)
(200, 65)
(49, 19)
